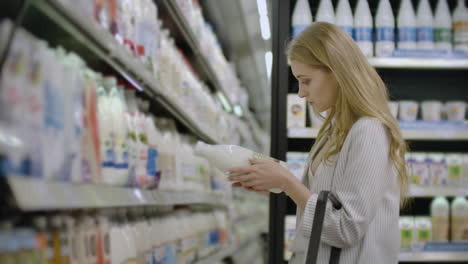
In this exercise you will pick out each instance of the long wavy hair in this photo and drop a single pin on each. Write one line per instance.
(362, 93)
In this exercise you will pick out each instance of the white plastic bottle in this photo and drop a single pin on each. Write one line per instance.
(443, 26)
(406, 224)
(302, 17)
(423, 228)
(344, 17)
(105, 134)
(425, 26)
(459, 221)
(460, 27)
(363, 28)
(153, 151)
(325, 12)
(440, 219)
(385, 27)
(406, 26)
(225, 157)
(120, 133)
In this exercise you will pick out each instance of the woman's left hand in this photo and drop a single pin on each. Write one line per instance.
(261, 175)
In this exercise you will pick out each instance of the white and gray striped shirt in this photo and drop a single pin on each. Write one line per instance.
(364, 179)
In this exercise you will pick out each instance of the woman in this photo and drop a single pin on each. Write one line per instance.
(358, 154)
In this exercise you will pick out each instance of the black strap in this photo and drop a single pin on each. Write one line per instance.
(317, 225)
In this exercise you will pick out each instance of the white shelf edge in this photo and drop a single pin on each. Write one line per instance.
(443, 135)
(419, 63)
(37, 194)
(431, 191)
(433, 256)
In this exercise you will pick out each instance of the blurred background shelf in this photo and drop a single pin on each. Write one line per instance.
(34, 195)
(432, 191)
(103, 45)
(440, 135)
(416, 63)
(442, 257)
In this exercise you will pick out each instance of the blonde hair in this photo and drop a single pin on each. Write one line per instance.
(362, 93)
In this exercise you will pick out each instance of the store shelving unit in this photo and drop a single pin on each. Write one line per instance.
(443, 257)
(430, 135)
(414, 63)
(103, 45)
(433, 191)
(38, 195)
(407, 79)
(182, 24)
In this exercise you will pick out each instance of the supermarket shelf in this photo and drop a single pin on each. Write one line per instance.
(434, 257)
(226, 252)
(102, 44)
(431, 191)
(302, 132)
(34, 194)
(431, 135)
(444, 135)
(184, 27)
(415, 63)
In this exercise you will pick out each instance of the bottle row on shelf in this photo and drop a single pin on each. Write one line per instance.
(137, 26)
(448, 222)
(211, 50)
(405, 110)
(94, 131)
(431, 110)
(424, 169)
(419, 30)
(120, 235)
(438, 169)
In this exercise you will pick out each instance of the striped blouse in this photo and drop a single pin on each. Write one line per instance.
(364, 179)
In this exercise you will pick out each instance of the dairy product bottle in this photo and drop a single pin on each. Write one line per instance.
(301, 18)
(325, 12)
(440, 219)
(460, 27)
(423, 229)
(406, 224)
(455, 167)
(225, 157)
(363, 28)
(425, 26)
(385, 27)
(459, 220)
(443, 26)
(344, 17)
(406, 26)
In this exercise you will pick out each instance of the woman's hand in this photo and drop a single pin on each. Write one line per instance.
(262, 175)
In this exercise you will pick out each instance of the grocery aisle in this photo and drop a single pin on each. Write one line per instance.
(418, 47)
(103, 105)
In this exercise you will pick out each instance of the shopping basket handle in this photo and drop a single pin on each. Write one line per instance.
(317, 225)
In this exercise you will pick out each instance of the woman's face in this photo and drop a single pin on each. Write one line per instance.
(316, 84)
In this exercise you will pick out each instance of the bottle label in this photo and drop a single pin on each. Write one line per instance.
(349, 30)
(460, 32)
(406, 238)
(424, 235)
(443, 35)
(425, 34)
(296, 29)
(363, 34)
(385, 34)
(407, 34)
(455, 172)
